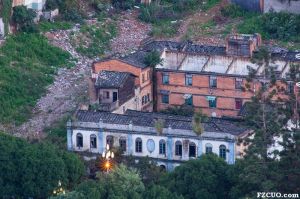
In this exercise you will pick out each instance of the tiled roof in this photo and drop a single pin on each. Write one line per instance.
(188, 47)
(136, 59)
(148, 120)
(111, 79)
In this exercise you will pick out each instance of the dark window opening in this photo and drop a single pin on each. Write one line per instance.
(79, 140)
(110, 141)
(238, 103)
(238, 83)
(212, 81)
(122, 143)
(165, 78)
(178, 148)
(162, 147)
(222, 152)
(192, 150)
(93, 140)
(115, 96)
(165, 99)
(138, 145)
(188, 80)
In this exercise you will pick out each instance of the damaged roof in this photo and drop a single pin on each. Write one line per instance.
(187, 46)
(111, 79)
(148, 119)
(136, 59)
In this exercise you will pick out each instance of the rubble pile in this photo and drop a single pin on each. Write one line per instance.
(130, 33)
(69, 88)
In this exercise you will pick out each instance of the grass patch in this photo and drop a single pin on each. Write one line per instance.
(208, 4)
(196, 30)
(165, 28)
(27, 65)
(281, 26)
(94, 40)
(46, 26)
(161, 15)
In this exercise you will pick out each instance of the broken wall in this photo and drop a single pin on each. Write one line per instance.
(284, 5)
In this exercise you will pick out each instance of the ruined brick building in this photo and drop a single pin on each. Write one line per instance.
(210, 78)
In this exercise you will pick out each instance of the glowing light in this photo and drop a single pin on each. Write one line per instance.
(107, 164)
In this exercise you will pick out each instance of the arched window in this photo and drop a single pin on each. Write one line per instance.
(208, 148)
(162, 167)
(138, 145)
(122, 142)
(222, 152)
(178, 148)
(93, 141)
(79, 140)
(192, 149)
(162, 147)
(110, 141)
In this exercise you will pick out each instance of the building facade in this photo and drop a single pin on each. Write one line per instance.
(214, 79)
(135, 134)
(134, 64)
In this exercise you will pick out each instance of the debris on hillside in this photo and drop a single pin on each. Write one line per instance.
(131, 32)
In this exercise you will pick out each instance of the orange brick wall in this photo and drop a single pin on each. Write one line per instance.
(116, 65)
(225, 92)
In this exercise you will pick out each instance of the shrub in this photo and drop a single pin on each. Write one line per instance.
(233, 11)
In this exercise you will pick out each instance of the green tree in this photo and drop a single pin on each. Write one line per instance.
(122, 182)
(23, 17)
(33, 170)
(205, 178)
(259, 170)
(159, 192)
(148, 169)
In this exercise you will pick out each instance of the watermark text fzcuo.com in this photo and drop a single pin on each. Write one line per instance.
(276, 195)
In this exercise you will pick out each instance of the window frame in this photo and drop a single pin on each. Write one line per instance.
(110, 141)
(208, 146)
(215, 103)
(238, 100)
(178, 148)
(164, 97)
(213, 83)
(238, 83)
(93, 146)
(222, 152)
(138, 145)
(122, 140)
(189, 101)
(189, 80)
(162, 147)
(165, 79)
(194, 145)
(79, 135)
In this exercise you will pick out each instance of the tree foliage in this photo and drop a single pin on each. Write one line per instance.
(33, 170)
(24, 17)
(205, 178)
